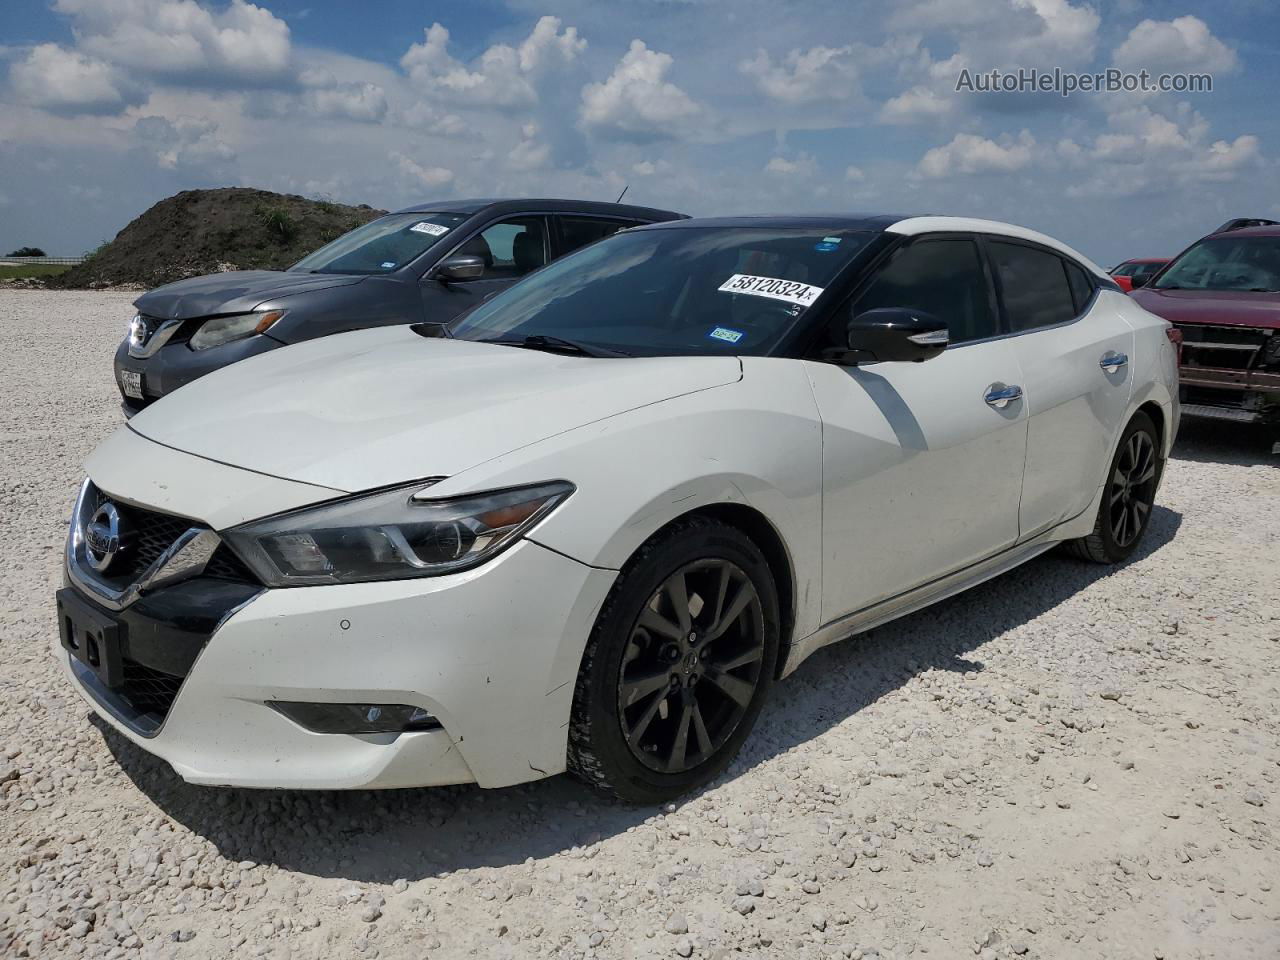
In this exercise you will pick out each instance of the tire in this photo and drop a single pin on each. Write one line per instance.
(1113, 540)
(622, 739)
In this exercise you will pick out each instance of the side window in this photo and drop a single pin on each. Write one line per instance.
(577, 232)
(1081, 285)
(509, 249)
(1034, 285)
(943, 277)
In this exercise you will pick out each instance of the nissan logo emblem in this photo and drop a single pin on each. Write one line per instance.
(103, 537)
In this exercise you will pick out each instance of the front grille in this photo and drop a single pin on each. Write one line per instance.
(1227, 348)
(153, 533)
(148, 691)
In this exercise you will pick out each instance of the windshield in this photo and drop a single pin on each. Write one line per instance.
(1226, 263)
(381, 245)
(687, 290)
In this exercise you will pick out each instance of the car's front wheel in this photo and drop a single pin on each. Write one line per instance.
(678, 664)
(1129, 495)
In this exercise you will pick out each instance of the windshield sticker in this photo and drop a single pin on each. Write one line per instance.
(825, 247)
(432, 228)
(725, 334)
(388, 264)
(789, 291)
(831, 239)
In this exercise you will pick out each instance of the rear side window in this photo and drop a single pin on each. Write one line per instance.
(577, 232)
(943, 277)
(1081, 285)
(1033, 283)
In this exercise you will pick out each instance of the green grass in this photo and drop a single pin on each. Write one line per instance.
(32, 270)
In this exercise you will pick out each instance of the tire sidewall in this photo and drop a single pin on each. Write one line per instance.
(1140, 422)
(630, 778)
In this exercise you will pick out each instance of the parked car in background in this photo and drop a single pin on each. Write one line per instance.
(1133, 274)
(425, 263)
(592, 523)
(1222, 295)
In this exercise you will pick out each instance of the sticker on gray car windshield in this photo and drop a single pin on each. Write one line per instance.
(434, 229)
(789, 291)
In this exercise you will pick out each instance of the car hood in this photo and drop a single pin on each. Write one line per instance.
(384, 406)
(1234, 308)
(236, 292)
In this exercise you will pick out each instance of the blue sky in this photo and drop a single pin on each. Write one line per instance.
(106, 106)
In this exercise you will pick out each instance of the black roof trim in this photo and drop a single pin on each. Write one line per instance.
(876, 222)
(501, 207)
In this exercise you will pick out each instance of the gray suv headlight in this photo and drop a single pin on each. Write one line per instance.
(391, 535)
(220, 330)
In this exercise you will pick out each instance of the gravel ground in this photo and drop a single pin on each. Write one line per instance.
(1066, 762)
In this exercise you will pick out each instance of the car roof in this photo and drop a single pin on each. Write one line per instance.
(502, 207)
(1145, 260)
(1267, 231)
(885, 223)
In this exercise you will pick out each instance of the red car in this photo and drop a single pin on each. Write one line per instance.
(1135, 273)
(1223, 295)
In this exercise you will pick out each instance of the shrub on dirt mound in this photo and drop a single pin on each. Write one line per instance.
(207, 231)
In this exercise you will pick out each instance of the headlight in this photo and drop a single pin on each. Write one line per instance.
(220, 330)
(391, 535)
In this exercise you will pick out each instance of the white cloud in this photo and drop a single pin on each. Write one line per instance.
(801, 165)
(918, 103)
(420, 175)
(854, 174)
(805, 76)
(636, 101)
(182, 40)
(65, 80)
(971, 154)
(503, 76)
(183, 143)
(529, 153)
(362, 102)
(1184, 44)
(1006, 33)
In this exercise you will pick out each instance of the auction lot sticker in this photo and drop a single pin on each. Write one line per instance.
(432, 228)
(789, 291)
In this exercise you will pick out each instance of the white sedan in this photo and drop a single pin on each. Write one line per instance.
(589, 524)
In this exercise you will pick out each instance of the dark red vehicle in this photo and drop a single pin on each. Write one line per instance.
(1223, 295)
(1135, 273)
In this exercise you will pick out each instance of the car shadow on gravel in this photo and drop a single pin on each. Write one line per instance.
(381, 836)
(1218, 441)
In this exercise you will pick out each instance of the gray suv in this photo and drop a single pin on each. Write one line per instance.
(427, 263)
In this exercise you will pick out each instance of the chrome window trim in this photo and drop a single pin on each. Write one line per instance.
(185, 558)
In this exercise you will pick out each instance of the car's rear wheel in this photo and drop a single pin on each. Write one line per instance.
(1125, 512)
(678, 664)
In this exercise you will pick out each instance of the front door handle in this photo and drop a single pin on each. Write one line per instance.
(1112, 361)
(999, 396)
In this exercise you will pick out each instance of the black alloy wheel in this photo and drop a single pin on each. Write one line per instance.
(1128, 496)
(678, 665)
(692, 665)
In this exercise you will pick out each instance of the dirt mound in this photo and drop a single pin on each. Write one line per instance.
(208, 231)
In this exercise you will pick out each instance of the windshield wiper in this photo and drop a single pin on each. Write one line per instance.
(541, 341)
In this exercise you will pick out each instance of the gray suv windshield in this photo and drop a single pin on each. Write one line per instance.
(381, 245)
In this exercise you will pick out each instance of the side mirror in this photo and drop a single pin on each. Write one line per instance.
(893, 333)
(459, 269)
(1139, 281)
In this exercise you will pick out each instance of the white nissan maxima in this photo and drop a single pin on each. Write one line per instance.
(588, 525)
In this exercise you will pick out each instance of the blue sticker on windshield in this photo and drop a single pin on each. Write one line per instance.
(725, 334)
(826, 247)
(388, 264)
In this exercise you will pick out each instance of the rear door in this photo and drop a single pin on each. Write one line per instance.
(922, 462)
(510, 248)
(1075, 354)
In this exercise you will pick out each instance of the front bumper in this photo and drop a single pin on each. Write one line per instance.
(491, 652)
(174, 365)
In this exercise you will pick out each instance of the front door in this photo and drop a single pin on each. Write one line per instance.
(922, 462)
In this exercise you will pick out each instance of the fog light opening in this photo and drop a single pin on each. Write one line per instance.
(353, 718)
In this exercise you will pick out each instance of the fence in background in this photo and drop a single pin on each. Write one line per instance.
(41, 261)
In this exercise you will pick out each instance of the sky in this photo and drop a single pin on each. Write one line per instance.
(702, 106)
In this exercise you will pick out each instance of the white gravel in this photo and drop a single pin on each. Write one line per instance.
(1067, 762)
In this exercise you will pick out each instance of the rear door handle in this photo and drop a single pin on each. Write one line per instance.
(1112, 361)
(999, 396)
